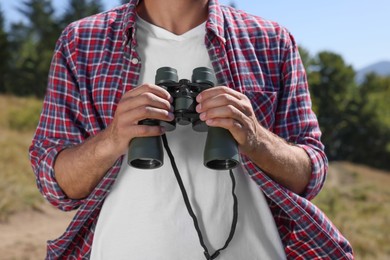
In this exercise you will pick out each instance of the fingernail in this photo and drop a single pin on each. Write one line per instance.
(202, 116)
(199, 108)
(199, 98)
(171, 116)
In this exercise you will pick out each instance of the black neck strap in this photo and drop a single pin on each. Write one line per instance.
(191, 212)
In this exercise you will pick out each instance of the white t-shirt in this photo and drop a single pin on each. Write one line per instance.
(144, 216)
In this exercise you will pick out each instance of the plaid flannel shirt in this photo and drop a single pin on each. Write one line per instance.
(95, 62)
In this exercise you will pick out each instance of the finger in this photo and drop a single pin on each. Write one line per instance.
(148, 112)
(221, 101)
(223, 96)
(215, 91)
(228, 111)
(145, 99)
(146, 131)
(149, 88)
(237, 130)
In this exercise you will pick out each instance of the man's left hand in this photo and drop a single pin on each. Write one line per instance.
(224, 107)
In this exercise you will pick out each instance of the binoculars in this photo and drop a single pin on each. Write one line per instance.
(220, 152)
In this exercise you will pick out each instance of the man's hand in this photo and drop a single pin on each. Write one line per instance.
(287, 164)
(79, 169)
(227, 108)
(144, 102)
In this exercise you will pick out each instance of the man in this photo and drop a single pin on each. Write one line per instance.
(101, 87)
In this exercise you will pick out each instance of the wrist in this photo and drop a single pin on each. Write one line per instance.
(264, 147)
(258, 142)
(107, 148)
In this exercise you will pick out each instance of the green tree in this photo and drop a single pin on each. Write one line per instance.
(372, 142)
(4, 54)
(78, 9)
(307, 60)
(375, 94)
(32, 46)
(42, 26)
(333, 90)
(355, 120)
(308, 63)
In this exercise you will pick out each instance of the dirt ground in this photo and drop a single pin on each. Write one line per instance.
(24, 236)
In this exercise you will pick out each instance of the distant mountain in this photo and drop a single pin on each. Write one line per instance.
(381, 68)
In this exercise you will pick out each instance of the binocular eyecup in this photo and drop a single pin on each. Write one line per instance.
(220, 152)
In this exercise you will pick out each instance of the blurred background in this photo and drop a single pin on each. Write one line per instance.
(345, 49)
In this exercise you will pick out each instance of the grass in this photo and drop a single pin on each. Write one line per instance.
(356, 198)
(18, 119)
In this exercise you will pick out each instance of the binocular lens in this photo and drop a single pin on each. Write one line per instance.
(221, 151)
(146, 152)
(145, 163)
(221, 164)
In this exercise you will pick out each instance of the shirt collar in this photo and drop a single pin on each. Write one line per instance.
(129, 19)
(214, 23)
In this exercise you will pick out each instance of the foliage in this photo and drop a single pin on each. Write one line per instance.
(32, 46)
(370, 119)
(4, 53)
(33, 43)
(80, 8)
(332, 88)
(375, 96)
(354, 120)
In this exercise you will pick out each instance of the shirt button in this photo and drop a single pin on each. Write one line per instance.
(135, 61)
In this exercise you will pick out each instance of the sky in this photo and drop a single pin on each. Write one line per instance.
(357, 30)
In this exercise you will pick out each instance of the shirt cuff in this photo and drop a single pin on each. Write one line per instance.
(319, 169)
(48, 184)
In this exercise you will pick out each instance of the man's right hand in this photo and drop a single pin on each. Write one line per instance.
(79, 169)
(144, 102)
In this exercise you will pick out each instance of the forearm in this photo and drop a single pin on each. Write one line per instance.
(80, 168)
(287, 164)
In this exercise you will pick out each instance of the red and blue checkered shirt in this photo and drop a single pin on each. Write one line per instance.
(95, 62)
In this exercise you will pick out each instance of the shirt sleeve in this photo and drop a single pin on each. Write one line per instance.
(295, 120)
(59, 125)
